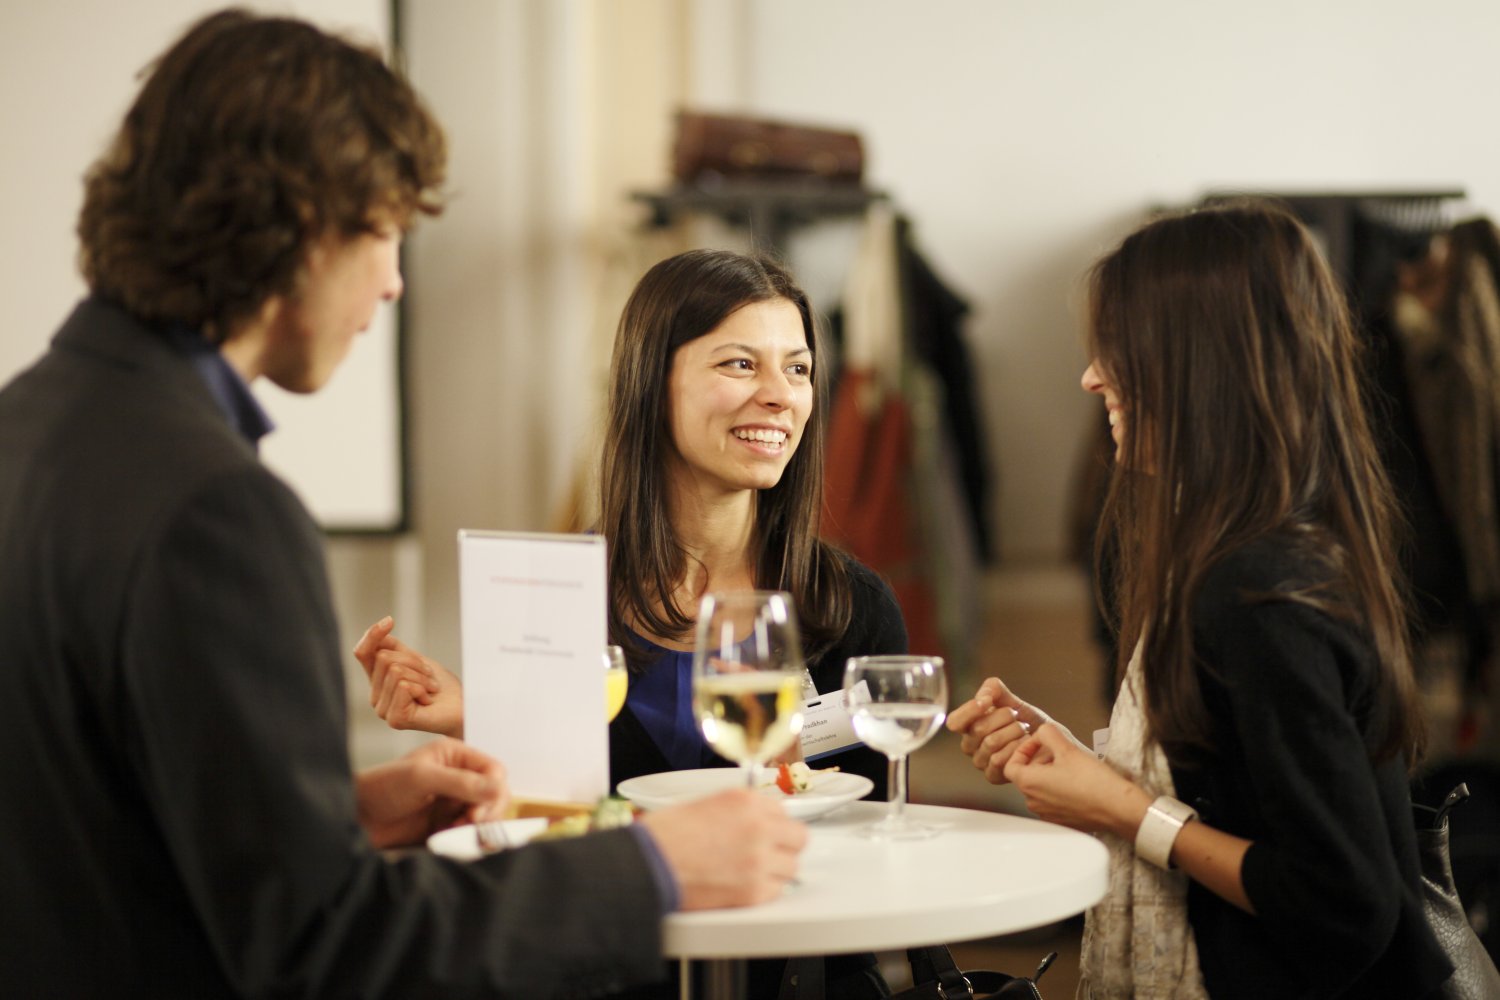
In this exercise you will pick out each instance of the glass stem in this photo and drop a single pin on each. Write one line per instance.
(750, 770)
(897, 785)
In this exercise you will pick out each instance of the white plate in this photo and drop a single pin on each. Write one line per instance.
(462, 842)
(829, 789)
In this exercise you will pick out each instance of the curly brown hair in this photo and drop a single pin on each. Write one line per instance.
(251, 137)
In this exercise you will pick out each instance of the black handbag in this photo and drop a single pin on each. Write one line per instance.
(1474, 974)
(935, 977)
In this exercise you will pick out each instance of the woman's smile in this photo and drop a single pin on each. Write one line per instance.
(770, 440)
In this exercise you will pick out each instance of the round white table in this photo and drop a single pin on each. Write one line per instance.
(985, 874)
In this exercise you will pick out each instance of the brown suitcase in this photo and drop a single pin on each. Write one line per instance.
(731, 146)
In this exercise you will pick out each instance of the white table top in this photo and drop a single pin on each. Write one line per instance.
(985, 874)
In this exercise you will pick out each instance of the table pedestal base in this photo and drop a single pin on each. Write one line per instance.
(724, 979)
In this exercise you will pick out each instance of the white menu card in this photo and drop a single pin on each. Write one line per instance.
(533, 622)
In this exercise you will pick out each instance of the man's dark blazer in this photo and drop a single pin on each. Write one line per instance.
(177, 812)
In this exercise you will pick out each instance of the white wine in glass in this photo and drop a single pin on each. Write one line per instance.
(747, 676)
(896, 704)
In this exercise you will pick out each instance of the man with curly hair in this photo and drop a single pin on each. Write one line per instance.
(177, 808)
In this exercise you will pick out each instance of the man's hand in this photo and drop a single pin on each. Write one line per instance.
(436, 786)
(409, 690)
(737, 848)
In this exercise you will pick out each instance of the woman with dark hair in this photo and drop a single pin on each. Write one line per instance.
(1253, 782)
(711, 479)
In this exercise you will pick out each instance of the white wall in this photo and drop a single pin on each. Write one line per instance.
(1024, 136)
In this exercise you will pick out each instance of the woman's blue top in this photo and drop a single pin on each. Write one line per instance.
(662, 700)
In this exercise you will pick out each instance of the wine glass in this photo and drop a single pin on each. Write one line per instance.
(896, 704)
(616, 682)
(747, 676)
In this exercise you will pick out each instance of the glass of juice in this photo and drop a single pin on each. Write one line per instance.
(616, 681)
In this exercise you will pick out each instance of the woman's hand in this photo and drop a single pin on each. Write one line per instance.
(993, 724)
(408, 690)
(436, 786)
(1067, 784)
(1064, 783)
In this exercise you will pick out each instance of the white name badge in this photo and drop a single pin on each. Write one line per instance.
(826, 726)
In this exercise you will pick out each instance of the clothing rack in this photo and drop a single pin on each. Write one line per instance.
(768, 210)
(1343, 220)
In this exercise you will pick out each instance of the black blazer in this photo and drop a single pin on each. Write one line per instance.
(1333, 871)
(177, 812)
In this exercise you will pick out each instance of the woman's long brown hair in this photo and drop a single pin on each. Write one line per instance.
(1233, 353)
(678, 300)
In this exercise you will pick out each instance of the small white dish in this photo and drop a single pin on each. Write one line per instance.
(829, 791)
(462, 842)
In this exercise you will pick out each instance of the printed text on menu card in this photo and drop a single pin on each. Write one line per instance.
(533, 619)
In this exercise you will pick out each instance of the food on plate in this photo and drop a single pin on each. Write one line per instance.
(796, 778)
(610, 813)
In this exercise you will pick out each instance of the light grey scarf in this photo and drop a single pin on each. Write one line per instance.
(1137, 943)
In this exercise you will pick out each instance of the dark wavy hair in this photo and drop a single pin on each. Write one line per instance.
(678, 300)
(1232, 350)
(251, 137)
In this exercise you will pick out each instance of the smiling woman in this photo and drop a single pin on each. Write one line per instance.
(712, 479)
(1252, 784)
(712, 473)
(740, 397)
